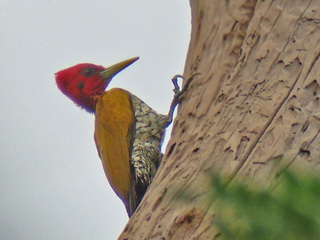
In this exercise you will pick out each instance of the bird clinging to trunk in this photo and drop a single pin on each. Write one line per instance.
(128, 133)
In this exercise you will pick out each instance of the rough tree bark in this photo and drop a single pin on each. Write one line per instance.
(256, 100)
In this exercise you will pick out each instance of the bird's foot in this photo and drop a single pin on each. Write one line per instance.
(178, 94)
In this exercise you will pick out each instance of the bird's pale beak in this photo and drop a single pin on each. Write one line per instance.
(113, 70)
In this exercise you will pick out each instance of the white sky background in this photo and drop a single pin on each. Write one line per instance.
(52, 184)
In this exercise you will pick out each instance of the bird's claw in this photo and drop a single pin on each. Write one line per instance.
(178, 93)
(174, 80)
(176, 90)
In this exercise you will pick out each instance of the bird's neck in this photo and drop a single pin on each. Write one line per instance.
(88, 103)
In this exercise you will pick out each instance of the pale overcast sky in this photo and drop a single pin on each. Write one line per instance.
(52, 185)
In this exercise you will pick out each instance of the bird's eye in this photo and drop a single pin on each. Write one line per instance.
(88, 72)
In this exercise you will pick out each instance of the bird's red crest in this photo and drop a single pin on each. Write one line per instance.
(82, 83)
(85, 82)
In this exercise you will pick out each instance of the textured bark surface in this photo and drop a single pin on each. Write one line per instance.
(256, 101)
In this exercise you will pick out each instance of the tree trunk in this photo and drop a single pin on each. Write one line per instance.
(257, 101)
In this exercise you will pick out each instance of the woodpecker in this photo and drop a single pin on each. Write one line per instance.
(128, 133)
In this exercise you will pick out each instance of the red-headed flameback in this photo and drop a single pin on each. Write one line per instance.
(128, 133)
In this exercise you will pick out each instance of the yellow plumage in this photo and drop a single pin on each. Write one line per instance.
(113, 135)
(128, 135)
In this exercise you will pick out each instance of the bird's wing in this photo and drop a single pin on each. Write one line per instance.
(114, 127)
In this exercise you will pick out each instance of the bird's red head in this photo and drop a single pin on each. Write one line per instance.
(85, 82)
(82, 83)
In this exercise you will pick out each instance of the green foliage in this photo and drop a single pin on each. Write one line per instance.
(290, 211)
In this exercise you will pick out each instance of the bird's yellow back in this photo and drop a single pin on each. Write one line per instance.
(113, 135)
(128, 135)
